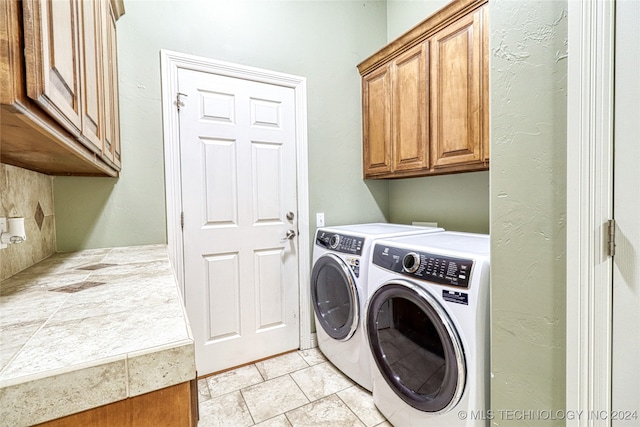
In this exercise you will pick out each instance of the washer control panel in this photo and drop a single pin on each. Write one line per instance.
(440, 269)
(340, 242)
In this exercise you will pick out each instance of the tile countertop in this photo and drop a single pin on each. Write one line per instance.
(80, 330)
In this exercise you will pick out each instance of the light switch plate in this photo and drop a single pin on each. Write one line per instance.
(320, 219)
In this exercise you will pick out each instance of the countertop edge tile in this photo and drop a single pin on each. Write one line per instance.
(160, 369)
(56, 396)
(76, 368)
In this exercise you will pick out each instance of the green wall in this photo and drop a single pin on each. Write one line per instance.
(322, 41)
(528, 206)
(405, 14)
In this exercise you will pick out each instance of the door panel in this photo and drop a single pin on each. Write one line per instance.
(221, 191)
(270, 310)
(238, 154)
(223, 296)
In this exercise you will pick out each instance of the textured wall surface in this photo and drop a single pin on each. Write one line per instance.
(528, 206)
(27, 194)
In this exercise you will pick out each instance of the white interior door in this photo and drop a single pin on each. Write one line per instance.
(626, 272)
(238, 171)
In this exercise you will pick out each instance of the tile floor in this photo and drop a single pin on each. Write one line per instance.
(292, 390)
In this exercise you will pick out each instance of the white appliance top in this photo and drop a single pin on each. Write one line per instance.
(447, 241)
(380, 229)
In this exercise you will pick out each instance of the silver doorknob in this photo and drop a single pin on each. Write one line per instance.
(290, 235)
(290, 215)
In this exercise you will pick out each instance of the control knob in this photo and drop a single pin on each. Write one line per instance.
(334, 241)
(411, 262)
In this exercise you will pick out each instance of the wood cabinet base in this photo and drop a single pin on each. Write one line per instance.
(174, 406)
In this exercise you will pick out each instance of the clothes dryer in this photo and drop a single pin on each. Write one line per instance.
(427, 328)
(339, 290)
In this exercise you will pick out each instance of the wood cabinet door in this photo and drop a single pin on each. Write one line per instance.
(376, 118)
(484, 103)
(91, 62)
(111, 149)
(457, 100)
(410, 110)
(52, 61)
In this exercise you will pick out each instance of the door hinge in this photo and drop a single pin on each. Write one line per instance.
(611, 237)
(182, 220)
(179, 102)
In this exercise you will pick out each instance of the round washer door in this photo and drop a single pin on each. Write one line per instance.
(335, 297)
(416, 347)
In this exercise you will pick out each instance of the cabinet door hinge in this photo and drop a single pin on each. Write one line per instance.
(611, 237)
(182, 220)
(179, 102)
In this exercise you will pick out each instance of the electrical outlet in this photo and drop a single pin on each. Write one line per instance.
(320, 219)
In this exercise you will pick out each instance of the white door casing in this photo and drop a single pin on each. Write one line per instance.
(269, 222)
(589, 207)
(625, 396)
(596, 338)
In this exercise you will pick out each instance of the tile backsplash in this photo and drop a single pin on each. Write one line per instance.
(28, 194)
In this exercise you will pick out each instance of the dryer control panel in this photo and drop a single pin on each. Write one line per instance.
(340, 242)
(440, 269)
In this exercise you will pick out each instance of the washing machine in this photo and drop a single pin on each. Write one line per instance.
(427, 328)
(339, 291)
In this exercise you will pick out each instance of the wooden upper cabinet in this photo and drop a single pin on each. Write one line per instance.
(93, 92)
(51, 40)
(111, 148)
(456, 93)
(429, 114)
(376, 107)
(394, 110)
(484, 91)
(59, 98)
(410, 110)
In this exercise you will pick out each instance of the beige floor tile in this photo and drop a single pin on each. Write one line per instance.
(273, 397)
(242, 397)
(321, 380)
(360, 402)
(233, 380)
(203, 390)
(330, 411)
(312, 356)
(279, 421)
(229, 410)
(281, 365)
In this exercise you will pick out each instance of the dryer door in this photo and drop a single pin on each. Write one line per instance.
(335, 297)
(416, 347)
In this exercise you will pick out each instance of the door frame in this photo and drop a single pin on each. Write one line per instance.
(171, 62)
(590, 115)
